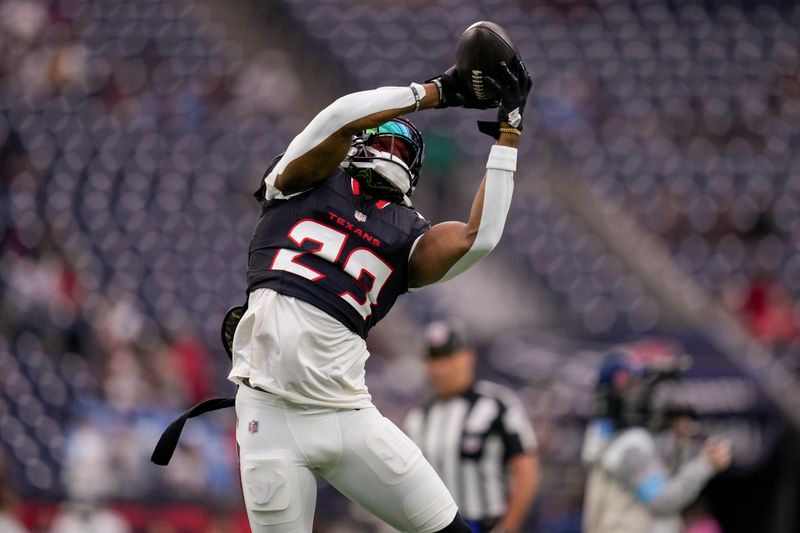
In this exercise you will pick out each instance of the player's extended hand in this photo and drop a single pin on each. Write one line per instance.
(512, 91)
(453, 92)
(718, 452)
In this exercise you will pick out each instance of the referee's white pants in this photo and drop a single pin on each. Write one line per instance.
(361, 453)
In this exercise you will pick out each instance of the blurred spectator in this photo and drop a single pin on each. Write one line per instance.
(187, 475)
(23, 19)
(188, 360)
(81, 517)
(120, 322)
(88, 471)
(269, 82)
(125, 385)
(769, 312)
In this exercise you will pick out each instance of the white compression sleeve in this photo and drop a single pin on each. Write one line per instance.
(500, 168)
(337, 115)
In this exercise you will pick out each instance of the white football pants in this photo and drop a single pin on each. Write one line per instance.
(361, 453)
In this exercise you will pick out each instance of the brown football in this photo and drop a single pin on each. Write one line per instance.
(480, 50)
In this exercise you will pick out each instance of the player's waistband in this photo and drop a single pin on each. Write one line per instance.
(252, 392)
(255, 394)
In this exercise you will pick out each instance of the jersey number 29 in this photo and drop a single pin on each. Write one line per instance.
(359, 263)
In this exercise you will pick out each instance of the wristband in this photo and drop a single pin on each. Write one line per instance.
(419, 93)
(502, 158)
(438, 84)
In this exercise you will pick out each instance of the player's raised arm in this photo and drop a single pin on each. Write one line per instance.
(324, 143)
(450, 248)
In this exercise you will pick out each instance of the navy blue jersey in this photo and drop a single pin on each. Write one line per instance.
(337, 249)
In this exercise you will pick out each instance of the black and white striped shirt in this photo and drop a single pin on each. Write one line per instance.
(468, 439)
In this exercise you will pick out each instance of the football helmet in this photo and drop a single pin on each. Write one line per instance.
(387, 159)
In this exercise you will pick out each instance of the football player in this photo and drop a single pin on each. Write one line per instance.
(337, 242)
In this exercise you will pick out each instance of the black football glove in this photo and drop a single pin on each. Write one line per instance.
(512, 91)
(453, 92)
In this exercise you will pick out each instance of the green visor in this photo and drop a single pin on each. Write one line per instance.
(392, 128)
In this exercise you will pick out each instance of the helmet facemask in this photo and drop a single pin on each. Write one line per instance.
(387, 160)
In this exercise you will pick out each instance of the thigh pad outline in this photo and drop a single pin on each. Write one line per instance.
(392, 454)
(271, 489)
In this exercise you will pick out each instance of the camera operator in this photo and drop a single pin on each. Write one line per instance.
(629, 487)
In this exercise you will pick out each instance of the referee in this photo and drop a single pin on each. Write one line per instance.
(476, 435)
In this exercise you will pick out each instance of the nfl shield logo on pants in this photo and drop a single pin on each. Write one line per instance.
(252, 426)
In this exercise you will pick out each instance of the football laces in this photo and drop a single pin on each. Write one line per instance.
(477, 84)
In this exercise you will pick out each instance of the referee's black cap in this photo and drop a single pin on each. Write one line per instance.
(444, 338)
